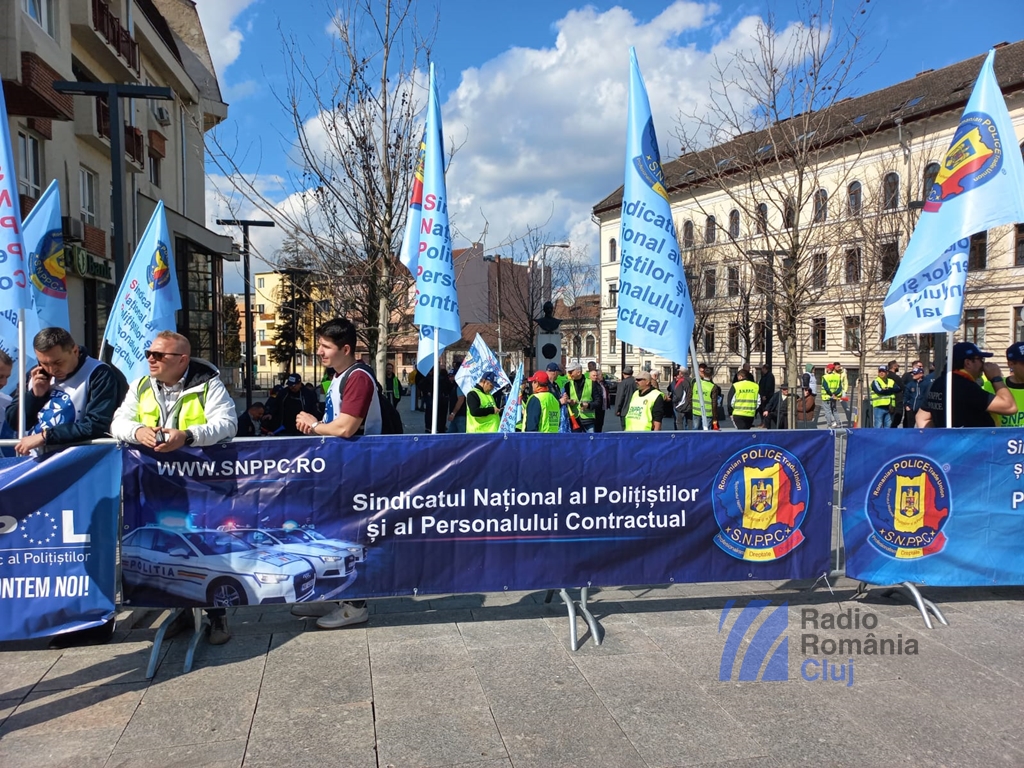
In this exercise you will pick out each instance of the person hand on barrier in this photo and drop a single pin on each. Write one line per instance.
(173, 440)
(147, 436)
(28, 443)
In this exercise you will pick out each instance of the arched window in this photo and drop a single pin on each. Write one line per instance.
(762, 218)
(891, 191)
(789, 213)
(734, 224)
(709, 230)
(591, 346)
(931, 171)
(854, 201)
(820, 205)
(611, 249)
(688, 234)
(577, 345)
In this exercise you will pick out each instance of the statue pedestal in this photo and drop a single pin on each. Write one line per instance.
(549, 350)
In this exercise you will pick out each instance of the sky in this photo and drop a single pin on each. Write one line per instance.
(534, 93)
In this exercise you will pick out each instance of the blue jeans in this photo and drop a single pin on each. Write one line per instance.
(883, 419)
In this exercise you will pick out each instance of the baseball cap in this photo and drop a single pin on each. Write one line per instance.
(489, 376)
(293, 379)
(830, 367)
(965, 349)
(883, 367)
(1015, 352)
(539, 377)
(919, 369)
(573, 367)
(643, 375)
(553, 367)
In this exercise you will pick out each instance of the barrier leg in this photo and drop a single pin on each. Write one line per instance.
(549, 595)
(201, 622)
(919, 601)
(596, 631)
(934, 610)
(571, 606)
(154, 654)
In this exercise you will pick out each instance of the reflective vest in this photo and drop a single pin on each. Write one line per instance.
(831, 383)
(396, 387)
(1017, 419)
(483, 423)
(587, 395)
(640, 414)
(550, 411)
(702, 391)
(188, 411)
(745, 399)
(881, 401)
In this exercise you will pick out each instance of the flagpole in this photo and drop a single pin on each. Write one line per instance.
(437, 385)
(949, 380)
(700, 388)
(22, 388)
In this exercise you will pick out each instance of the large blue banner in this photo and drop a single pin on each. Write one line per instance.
(58, 541)
(942, 507)
(296, 519)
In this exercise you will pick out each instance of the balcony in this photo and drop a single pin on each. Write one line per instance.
(34, 95)
(94, 127)
(100, 32)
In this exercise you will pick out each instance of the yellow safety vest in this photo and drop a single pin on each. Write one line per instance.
(483, 423)
(1017, 419)
(640, 414)
(588, 395)
(550, 411)
(882, 401)
(745, 403)
(188, 411)
(835, 386)
(702, 391)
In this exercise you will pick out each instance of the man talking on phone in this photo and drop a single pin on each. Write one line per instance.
(70, 396)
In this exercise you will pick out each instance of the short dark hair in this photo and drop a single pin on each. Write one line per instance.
(48, 338)
(339, 331)
(5, 359)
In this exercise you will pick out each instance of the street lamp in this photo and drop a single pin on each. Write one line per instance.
(249, 333)
(496, 259)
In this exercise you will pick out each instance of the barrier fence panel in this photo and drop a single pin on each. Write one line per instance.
(938, 507)
(58, 541)
(286, 520)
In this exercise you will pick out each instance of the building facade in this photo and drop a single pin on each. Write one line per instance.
(67, 138)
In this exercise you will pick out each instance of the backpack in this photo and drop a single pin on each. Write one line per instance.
(390, 420)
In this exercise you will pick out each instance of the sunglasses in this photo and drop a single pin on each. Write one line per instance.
(152, 354)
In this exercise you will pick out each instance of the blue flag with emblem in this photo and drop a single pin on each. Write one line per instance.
(44, 243)
(655, 311)
(980, 185)
(437, 304)
(478, 361)
(513, 405)
(14, 267)
(146, 301)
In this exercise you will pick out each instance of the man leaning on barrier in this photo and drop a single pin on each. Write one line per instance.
(181, 402)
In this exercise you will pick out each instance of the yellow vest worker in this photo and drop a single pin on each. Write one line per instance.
(542, 407)
(646, 407)
(482, 414)
(744, 402)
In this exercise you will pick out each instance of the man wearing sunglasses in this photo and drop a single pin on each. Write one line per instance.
(972, 406)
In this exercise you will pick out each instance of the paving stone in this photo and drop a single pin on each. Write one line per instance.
(18, 676)
(99, 665)
(217, 754)
(304, 679)
(419, 618)
(83, 749)
(585, 736)
(669, 613)
(619, 637)
(398, 633)
(627, 681)
(459, 736)
(238, 647)
(524, 679)
(397, 605)
(7, 707)
(423, 693)
(313, 737)
(242, 676)
(418, 655)
(337, 642)
(77, 709)
(219, 716)
(493, 634)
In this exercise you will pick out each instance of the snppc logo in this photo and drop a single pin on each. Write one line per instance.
(908, 506)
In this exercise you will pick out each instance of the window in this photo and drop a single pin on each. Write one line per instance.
(261, 309)
(687, 234)
(30, 172)
(1018, 324)
(888, 345)
(154, 170)
(577, 347)
(666, 373)
(408, 358)
(820, 206)
(709, 283)
(851, 334)
(591, 344)
(612, 371)
(612, 246)
(854, 202)
(1018, 247)
(734, 224)
(262, 335)
(87, 184)
(789, 213)
(709, 230)
(734, 338)
(709, 337)
(734, 281)
(974, 326)
(763, 278)
(891, 191)
(41, 11)
(931, 172)
(759, 336)
(978, 258)
(853, 266)
(818, 334)
(613, 296)
(261, 282)
(263, 360)
(611, 341)
(888, 260)
(629, 349)
(762, 218)
(819, 270)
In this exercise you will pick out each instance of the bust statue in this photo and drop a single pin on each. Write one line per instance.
(548, 323)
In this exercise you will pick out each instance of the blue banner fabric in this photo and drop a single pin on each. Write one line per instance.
(940, 507)
(58, 541)
(298, 519)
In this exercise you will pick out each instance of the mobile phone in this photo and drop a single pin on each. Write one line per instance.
(160, 437)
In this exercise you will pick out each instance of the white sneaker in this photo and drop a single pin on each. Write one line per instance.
(345, 614)
(316, 609)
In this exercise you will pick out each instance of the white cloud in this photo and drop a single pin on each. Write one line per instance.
(222, 36)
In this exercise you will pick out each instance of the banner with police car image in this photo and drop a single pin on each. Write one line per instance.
(939, 507)
(297, 519)
(58, 541)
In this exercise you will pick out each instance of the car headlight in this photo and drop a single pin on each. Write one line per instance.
(330, 558)
(270, 578)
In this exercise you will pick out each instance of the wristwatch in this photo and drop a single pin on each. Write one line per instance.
(189, 437)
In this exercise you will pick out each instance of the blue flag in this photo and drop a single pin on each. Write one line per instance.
(979, 186)
(411, 242)
(428, 237)
(44, 243)
(478, 361)
(146, 301)
(654, 311)
(513, 405)
(14, 268)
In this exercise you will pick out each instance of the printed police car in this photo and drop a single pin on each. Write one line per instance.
(213, 567)
(328, 561)
(308, 534)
